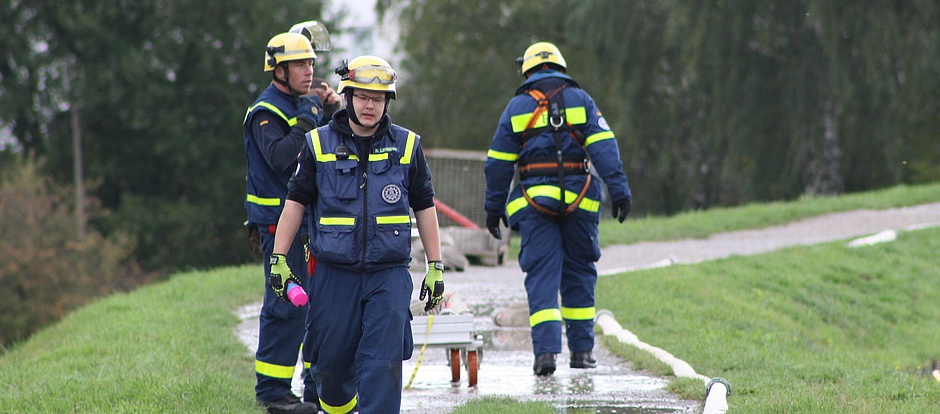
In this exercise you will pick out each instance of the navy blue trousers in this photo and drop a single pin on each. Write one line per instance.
(559, 257)
(281, 329)
(358, 334)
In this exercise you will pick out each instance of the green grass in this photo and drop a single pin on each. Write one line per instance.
(819, 329)
(165, 348)
(700, 224)
(489, 405)
(823, 329)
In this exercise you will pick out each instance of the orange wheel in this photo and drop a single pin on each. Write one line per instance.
(454, 365)
(473, 363)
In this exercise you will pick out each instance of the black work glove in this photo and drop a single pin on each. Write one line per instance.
(492, 224)
(307, 113)
(621, 208)
(254, 238)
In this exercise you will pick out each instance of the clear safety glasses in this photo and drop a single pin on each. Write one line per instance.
(373, 74)
(378, 100)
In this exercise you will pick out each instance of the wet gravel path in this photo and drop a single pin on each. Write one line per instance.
(506, 364)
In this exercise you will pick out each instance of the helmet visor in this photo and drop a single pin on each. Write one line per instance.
(373, 74)
(316, 32)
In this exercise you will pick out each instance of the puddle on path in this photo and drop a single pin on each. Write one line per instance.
(505, 367)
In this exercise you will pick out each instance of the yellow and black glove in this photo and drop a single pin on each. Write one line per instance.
(433, 286)
(281, 275)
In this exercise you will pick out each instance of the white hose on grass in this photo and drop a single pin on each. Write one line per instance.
(883, 236)
(717, 389)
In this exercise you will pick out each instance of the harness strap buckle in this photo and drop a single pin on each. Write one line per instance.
(557, 119)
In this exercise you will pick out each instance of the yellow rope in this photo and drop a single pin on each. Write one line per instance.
(421, 355)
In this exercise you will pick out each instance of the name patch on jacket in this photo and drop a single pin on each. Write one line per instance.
(384, 150)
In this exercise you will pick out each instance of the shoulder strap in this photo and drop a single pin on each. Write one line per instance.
(557, 121)
(543, 100)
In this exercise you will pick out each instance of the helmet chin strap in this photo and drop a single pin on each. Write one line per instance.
(286, 81)
(352, 109)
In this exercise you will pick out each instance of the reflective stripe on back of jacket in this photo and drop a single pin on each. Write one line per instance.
(508, 150)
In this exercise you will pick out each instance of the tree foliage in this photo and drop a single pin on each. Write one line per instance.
(46, 271)
(161, 88)
(713, 103)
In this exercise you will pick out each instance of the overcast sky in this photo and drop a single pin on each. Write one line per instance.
(365, 36)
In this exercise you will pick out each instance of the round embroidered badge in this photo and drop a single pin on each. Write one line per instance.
(391, 193)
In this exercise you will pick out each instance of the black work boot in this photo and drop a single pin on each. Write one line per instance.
(583, 360)
(544, 364)
(291, 404)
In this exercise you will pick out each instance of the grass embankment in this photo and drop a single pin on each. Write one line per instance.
(700, 224)
(820, 329)
(823, 329)
(164, 348)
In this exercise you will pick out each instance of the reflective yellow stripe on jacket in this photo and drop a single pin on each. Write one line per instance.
(272, 108)
(328, 157)
(551, 191)
(251, 198)
(337, 221)
(263, 201)
(575, 116)
(502, 156)
(600, 136)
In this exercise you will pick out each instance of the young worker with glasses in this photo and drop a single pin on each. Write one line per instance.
(362, 176)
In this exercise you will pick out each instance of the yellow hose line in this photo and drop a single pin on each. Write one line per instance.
(421, 355)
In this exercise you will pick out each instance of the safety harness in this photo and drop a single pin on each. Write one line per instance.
(559, 165)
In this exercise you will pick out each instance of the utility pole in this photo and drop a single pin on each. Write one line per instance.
(79, 174)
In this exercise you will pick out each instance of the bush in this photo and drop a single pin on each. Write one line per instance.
(46, 270)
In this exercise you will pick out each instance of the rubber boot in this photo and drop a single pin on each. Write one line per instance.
(290, 404)
(583, 360)
(544, 364)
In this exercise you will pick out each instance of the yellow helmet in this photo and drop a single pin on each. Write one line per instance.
(286, 47)
(539, 53)
(367, 72)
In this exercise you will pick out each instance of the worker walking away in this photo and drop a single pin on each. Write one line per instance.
(362, 176)
(552, 132)
(275, 126)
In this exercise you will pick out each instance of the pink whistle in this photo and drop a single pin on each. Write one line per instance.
(296, 294)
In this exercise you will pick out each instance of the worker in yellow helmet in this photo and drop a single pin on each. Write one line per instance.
(552, 134)
(275, 126)
(363, 176)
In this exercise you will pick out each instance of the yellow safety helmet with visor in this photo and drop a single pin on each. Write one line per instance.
(286, 47)
(539, 53)
(367, 72)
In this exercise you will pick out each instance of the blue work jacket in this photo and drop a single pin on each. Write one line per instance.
(362, 208)
(266, 187)
(510, 149)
